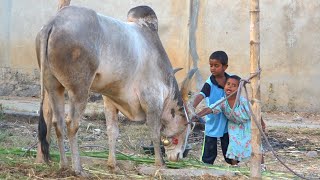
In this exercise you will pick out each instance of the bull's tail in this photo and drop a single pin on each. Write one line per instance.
(43, 38)
(42, 134)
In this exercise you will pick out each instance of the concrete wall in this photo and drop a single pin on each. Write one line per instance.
(290, 41)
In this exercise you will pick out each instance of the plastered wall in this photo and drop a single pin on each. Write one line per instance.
(190, 31)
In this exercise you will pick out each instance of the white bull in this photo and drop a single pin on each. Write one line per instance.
(81, 51)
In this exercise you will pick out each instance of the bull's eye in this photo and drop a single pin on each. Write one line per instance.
(173, 113)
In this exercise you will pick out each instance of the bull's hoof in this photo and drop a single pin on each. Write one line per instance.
(160, 165)
(64, 165)
(39, 161)
(42, 161)
(111, 165)
(115, 170)
(66, 171)
(159, 162)
(71, 172)
(81, 174)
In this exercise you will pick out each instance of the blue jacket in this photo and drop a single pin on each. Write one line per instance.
(216, 124)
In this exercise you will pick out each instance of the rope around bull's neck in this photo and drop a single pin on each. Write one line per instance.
(242, 84)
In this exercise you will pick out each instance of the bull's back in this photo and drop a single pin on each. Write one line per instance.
(81, 38)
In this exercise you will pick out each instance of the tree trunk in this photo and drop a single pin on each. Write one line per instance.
(63, 3)
(255, 85)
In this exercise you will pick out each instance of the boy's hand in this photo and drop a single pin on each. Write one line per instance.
(196, 118)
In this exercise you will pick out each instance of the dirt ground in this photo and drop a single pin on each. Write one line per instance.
(295, 138)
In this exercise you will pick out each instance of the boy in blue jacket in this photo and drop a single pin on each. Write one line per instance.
(212, 91)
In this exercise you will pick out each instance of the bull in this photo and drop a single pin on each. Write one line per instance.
(80, 51)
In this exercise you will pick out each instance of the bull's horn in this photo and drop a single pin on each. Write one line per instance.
(176, 70)
(185, 86)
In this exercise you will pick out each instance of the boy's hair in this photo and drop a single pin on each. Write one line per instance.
(234, 77)
(221, 56)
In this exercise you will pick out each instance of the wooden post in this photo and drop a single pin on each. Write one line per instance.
(63, 3)
(256, 156)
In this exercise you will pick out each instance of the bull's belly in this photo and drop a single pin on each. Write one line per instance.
(131, 112)
(120, 91)
(123, 98)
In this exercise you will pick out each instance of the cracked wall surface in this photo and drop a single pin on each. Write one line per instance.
(190, 31)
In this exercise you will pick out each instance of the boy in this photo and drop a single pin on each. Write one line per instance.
(216, 126)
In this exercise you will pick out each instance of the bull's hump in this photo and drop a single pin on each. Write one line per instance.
(143, 16)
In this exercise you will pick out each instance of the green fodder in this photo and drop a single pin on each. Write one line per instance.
(15, 159)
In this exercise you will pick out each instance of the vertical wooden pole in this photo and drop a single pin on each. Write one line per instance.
(256, 156)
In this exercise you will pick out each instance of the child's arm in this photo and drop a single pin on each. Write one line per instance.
(198, 116)
(197, 100)
(241, 113)
(213, 108)
(206, 111)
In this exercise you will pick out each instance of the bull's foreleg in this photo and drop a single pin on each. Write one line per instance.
(78, 103)
(154, 124)
(111, 114)
(47, 115)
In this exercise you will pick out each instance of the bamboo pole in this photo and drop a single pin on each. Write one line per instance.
(256, 156)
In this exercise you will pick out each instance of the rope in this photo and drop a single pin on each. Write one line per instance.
(243, 84)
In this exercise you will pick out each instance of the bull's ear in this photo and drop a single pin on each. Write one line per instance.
(185, 86)
(176, 70)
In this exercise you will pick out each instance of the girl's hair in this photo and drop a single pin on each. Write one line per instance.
(235, 77)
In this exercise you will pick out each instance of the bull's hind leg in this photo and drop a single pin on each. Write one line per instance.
(78, 102)
(47, 114)
(111, 114)
(56, 98)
